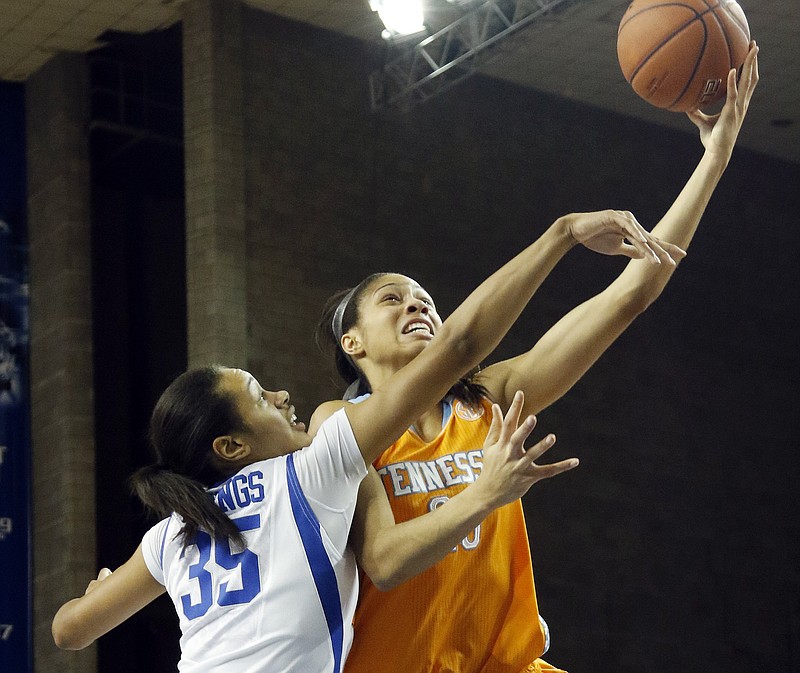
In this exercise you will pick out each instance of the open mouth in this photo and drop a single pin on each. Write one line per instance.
(418, 327)
(296, 425)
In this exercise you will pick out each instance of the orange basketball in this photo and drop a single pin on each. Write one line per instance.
(677, 55)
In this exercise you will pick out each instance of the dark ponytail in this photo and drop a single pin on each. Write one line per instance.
(465, 389)
(187, 418)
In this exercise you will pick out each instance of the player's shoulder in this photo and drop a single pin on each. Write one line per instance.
(322, 413)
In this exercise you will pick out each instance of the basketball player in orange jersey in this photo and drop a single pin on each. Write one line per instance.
(472, 608)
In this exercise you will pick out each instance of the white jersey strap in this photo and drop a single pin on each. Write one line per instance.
(546, 631)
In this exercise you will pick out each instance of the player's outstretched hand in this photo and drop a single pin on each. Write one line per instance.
(104, 572)
(718, 132)
(617, 232)
(509, 470)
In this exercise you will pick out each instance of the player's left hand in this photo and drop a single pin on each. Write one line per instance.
(718, 132)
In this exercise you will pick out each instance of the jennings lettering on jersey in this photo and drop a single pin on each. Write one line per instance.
(240, 490)
(409, 477)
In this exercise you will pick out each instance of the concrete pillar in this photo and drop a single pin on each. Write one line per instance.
(216, 247)
(64, 543)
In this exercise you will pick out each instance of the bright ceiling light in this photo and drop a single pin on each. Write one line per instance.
(401, 17)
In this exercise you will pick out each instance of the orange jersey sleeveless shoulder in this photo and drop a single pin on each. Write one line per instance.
(473, 612)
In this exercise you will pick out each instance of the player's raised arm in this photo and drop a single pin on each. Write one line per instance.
(576, 341)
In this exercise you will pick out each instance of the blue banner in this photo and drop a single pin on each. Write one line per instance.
(15, 445)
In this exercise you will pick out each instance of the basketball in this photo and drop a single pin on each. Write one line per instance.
(677, 54)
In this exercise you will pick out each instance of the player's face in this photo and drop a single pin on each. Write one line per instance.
(271, 426)
(397, 319)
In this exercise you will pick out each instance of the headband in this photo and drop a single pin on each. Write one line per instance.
(336, 323)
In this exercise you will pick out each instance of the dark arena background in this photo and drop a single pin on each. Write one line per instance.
(194, 192)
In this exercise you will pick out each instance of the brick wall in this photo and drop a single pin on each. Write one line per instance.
(215, 222)
(674, 546)
(61, 350)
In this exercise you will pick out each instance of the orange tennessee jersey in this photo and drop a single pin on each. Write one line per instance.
(473, 612)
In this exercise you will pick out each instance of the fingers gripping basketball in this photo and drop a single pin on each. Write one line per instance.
(677, 54)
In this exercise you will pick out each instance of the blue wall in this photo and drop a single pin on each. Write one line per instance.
(15, 555)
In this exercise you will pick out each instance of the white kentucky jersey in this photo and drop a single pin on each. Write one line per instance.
(285, 603)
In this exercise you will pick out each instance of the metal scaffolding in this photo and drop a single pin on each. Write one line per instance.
(440, 61)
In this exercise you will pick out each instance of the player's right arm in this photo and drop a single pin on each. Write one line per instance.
(109, 600)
